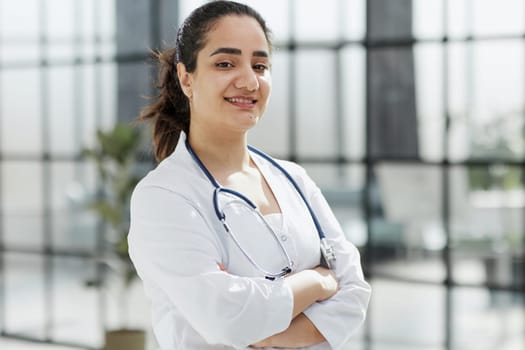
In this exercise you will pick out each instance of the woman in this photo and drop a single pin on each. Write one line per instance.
(212, 265)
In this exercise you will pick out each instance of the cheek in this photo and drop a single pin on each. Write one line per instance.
(203, 93)
(265, 84)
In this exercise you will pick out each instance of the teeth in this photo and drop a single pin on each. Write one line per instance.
(240, 100)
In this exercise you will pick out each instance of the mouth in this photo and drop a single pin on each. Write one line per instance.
(241, 101)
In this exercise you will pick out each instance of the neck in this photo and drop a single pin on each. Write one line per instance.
(220, 153)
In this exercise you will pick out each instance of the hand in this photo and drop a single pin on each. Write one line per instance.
(329, 283)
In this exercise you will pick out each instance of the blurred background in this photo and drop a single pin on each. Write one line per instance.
(409, 114)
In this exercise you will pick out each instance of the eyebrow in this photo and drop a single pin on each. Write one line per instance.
(233, 51)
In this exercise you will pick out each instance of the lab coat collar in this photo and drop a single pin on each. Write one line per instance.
(181, 154)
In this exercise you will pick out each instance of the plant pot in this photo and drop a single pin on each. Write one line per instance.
(125, 339)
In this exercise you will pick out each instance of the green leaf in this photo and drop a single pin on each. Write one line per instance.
(114, 156)
(122, 248)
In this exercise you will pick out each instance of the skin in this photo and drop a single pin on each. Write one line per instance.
(228, 94)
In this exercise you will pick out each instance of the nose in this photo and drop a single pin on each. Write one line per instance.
(247, 79)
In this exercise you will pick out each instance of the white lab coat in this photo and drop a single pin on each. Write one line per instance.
(176, 243)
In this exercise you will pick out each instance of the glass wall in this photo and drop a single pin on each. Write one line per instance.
(57, 86)
(409, 114)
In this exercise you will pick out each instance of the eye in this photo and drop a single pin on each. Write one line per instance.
(224, 65)
(260, 67)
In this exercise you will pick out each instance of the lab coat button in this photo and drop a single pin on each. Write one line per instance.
(284, 238)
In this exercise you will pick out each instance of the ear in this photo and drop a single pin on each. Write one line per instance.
(184, 79)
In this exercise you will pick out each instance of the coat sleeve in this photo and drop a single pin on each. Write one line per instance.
(340, 316)
(174, 250)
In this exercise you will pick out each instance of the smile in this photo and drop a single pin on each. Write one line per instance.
(239, 100)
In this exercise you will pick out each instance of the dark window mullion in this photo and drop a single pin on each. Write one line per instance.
(366, 200)
(338, 82)
(100, 227)
(2, 235)
(292, 91)
(78, 93)
(523, 216)
(46, 182)
(445, 189)
(79, 121)
(339, 117)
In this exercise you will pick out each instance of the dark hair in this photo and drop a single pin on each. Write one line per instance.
(170, 110)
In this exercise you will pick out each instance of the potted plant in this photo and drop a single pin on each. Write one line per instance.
(114, 154)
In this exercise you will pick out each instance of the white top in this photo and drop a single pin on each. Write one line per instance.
(176, 243)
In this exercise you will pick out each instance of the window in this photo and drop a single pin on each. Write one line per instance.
(408, 115)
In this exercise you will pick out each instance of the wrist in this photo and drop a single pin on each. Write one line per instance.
(318, 284)
(328, 285)
(322, 287)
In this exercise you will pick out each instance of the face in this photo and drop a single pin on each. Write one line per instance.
(231, 84)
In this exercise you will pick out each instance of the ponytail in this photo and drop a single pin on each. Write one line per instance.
(170, 112)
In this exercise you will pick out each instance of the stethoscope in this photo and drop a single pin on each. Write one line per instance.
(327, 251)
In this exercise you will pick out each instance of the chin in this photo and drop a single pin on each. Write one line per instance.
(249, 122)
(250, 117)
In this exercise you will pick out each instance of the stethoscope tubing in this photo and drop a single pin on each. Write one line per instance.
(215, 184)
(320, 231)
(326, 249)
(268, 275)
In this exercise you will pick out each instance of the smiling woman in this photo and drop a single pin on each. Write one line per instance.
(229, 89)
(213, 225)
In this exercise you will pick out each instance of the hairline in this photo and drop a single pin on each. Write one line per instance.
(213, 23)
